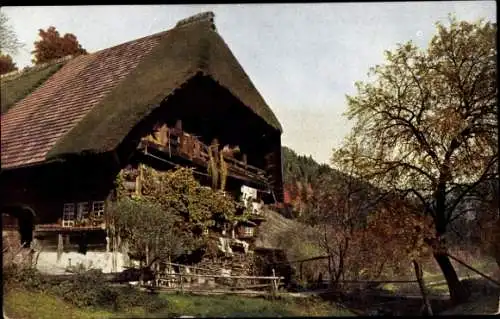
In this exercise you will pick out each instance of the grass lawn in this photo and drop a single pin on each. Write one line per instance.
(20, 303)
(435, 281)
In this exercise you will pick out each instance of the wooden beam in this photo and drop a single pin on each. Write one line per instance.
(226, 277)
(60, 246)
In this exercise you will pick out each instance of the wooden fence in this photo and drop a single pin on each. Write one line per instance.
(206, 281)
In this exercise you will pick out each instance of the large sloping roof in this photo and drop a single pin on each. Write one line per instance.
(93, 101)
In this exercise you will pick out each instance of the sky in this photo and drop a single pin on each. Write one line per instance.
(303, 58)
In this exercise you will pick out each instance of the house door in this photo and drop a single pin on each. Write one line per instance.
(18, 226)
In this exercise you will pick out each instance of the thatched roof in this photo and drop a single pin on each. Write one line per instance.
(17, 85)
(94, 100)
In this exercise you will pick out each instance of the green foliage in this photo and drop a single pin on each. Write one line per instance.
(179, 191)
(28, 277)
(15, 89)
(301, 168)
(86, 289)
(147, 227)
(20, 303)
(172, 212)
(90, 290)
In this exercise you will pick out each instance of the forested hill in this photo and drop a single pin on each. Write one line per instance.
(301, 168)
(305, 180)
(300, 174)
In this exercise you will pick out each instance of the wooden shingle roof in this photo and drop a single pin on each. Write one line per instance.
(92, 102)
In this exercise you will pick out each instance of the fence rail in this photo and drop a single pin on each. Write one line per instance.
(184, 281)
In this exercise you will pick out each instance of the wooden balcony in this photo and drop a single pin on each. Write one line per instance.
(184, 146)
(58, 228)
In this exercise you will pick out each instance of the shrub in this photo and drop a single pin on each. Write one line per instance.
(27, 277)
(86, 289)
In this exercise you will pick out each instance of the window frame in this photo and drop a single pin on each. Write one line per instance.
(99, 212)
(248, 231)
(68, 222)
(80, 215)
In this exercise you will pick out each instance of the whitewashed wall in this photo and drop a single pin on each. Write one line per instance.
(48, 263)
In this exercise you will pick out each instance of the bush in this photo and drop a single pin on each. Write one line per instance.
(26, 277)
(87, 289)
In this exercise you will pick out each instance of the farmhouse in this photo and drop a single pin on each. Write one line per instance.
(69, 127)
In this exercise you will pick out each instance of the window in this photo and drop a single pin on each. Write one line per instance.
(248, 231)
(257, 208)
(98, 208)
(68, 219)
(82, 210)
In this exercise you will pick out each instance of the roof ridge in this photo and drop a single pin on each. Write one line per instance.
(207, 16)
(15, 74)
(200, 17)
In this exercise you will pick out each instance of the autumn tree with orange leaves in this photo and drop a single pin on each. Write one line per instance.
(425, 126)
(366, 233)
(52, 46)
(6, 64)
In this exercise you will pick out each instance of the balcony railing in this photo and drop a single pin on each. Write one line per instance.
(75, 228)
(189, 147)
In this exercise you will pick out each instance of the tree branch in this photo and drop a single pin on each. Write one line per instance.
(418, 135)
(470, 187)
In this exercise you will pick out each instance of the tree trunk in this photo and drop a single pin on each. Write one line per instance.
(496, 243)
(458, 293)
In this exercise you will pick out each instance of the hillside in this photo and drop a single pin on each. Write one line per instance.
(300, 174)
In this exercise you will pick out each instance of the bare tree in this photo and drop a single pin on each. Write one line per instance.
(338, 211)
(9, 42)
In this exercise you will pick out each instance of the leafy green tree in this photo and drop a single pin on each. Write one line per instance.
(169, 217)
(149, 230)
(427, 125)
(178, 190)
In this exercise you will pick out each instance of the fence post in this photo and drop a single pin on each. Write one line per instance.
(420, 279)
(274, 286)
(60, 246)
(301, 271)
(181, 281)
